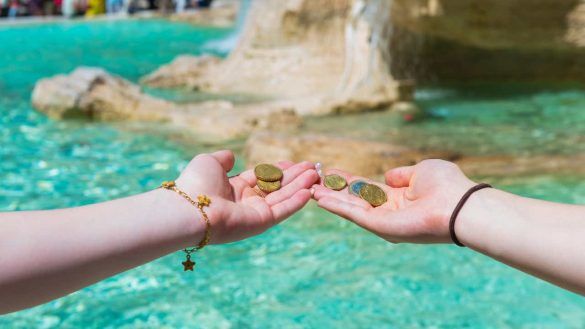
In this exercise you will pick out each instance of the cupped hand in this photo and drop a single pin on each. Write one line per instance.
(421, 199)
(237, 211)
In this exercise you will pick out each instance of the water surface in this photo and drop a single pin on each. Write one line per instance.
(315, 270)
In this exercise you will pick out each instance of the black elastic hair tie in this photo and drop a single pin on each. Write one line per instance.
(458, 209)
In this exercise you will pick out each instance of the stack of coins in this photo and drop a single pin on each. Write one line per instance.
(268, 177)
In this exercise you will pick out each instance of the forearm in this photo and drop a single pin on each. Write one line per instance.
(538, 237)
(48, 254)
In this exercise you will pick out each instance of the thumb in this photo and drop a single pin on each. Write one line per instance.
(225, 158)
(399, 177)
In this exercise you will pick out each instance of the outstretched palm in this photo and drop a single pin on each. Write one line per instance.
(420, 200)
(237, 211)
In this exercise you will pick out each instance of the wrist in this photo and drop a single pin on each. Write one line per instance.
(477, 227)
(187, 217)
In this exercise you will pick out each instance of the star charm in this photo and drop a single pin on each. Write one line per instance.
(203, 200)
(188, 265)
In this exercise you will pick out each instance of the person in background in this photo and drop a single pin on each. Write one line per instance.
(57, 7)
(130, 6)
(95, 7)
(68, 8)
(164, 6)
(180, 6)
(14, 8)
(204, 3)
(113, 6)
(48, 7)
(3, 8)
(35, 7)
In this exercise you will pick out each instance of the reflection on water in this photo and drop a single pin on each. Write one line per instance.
(313, 271)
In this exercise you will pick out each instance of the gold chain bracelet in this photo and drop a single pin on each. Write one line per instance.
(202, 201)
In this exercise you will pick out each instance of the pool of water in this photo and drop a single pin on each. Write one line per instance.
(479, 119)
(313, 271)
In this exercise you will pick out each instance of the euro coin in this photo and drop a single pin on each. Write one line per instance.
(373, 194)
(356, 186)
(335, 182)
(268, 187)
(268, 173)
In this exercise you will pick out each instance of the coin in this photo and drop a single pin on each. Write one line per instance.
(356, 186)
(268, 172)
(373, 194)
(335, 182)
(268, 187)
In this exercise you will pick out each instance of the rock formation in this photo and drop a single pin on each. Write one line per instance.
(95, 94)
(319, 57)
(316, 57)
(329, 56)
(455, 40)
(184, 71)
(495, 24)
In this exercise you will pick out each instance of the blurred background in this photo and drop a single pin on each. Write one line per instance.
(104, 99)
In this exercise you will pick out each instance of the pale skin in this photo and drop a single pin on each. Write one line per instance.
(541, 238)
(48, 254)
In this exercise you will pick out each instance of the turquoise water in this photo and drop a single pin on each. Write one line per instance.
(313, 271)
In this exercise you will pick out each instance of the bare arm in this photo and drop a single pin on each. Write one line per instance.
(48, 254)
(542, 238)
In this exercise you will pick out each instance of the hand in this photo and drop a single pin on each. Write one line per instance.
(421, 199)
(236, 211)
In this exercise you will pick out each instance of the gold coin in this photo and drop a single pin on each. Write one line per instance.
(373, 194)
(268, 187)
(268, 172)
(335, 182)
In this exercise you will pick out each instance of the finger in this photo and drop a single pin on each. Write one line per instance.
(286, 208)
(295, 171)
(304, 181)
(320, 191)
(249, 177)
(284, 164)
(347, 210)
(225, 158)
(399, 177)
(323, 192)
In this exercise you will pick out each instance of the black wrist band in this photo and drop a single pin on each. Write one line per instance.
(458, 209)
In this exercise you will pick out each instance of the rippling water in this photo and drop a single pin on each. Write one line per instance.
(313, 271)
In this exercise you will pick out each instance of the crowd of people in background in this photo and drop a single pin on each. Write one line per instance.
(89, 8)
